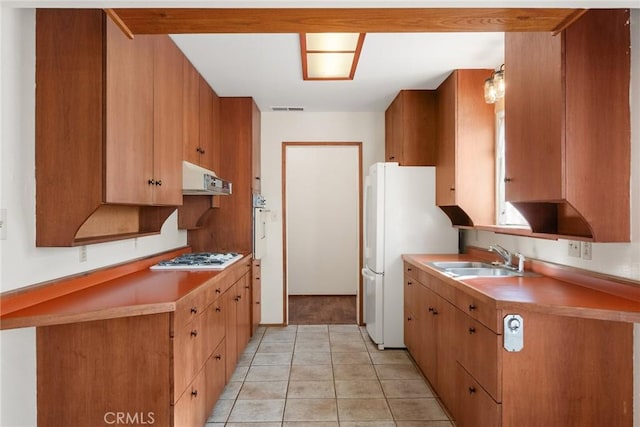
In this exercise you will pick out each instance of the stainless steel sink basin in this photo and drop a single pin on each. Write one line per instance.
(460, 264)
(482, 272)
(460, 269)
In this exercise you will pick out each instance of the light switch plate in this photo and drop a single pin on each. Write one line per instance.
(586, 250)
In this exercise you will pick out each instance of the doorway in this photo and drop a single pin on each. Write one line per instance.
(322, 234)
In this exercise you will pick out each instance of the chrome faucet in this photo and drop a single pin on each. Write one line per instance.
(505, 254)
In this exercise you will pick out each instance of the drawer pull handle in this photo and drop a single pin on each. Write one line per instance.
(194, 393)
(236, 299)
(218, 309)
(409, 269)
(472, 390)
(434, 312)
(258, 302)
(257, 278)
(218, 357)
(472, 307)
(194, 333)
(194, 310)
(472, 330)
(218, 290)
(247, 287)
(409, 319)
(409, 282)
(430, 309)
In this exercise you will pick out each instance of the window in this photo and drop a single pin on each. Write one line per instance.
(506, 214)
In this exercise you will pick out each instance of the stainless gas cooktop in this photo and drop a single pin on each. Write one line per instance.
(199, 261)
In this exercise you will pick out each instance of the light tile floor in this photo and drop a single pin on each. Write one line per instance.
(325, 375)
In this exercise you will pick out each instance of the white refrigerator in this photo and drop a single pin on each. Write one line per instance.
(400, 217)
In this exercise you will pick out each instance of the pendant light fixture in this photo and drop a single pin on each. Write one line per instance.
(494, 86)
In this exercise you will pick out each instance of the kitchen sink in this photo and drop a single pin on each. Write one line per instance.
(460, 264)
(459, 269)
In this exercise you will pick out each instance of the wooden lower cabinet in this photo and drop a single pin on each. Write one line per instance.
(570, 371)
(256, 296)
(165, 369)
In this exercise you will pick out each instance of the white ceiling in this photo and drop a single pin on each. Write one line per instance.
(268, 67)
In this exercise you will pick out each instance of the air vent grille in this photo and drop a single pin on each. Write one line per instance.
(287, 108)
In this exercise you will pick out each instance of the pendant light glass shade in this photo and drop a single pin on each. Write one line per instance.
(494, 86)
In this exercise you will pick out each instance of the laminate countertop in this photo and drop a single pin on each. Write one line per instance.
(555, 290)
(138, 293)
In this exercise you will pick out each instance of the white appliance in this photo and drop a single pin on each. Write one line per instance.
(260, 213)
(197, 180)
(400, 217)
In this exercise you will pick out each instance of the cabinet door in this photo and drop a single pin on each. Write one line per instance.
(410, 319)
(206, 123)
(256, 296)
(534, 117)
(189, 410)
(393, 131)
(427, 314)
(446, 354)
(255, 148)
(190, 113)
(167, 135)
(446, 165)
(129, 118)
(476, 407)
(244, 312)
(215, 373)
(230, 310)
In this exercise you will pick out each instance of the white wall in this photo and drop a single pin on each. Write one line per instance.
(279, 127)
(21, 262)
(322, 219)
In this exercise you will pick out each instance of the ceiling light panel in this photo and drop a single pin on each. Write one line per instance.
(332, 42)
(330, 56)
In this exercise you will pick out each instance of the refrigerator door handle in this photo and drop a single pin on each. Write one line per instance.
(368, 274)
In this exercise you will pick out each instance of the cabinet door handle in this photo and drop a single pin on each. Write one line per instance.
(409, 319)
(258, 178)
(194, 333)
(409, 269)
(409, 283)
(472, 330)
(218, 290)
(472, 390)
(236, 299)
(218, 357)
(194, 310)
(218, 309)
(257, 302)
(392, 158)
(159, 182)
(472, 307)
(194, 393)
(452, 189)
(435, 312)
(507, 179)
(257, 278)
(430, 309)
(247, 287)
(151, 182)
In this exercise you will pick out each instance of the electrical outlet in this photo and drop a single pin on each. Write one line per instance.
(574, 248)
(83, 254)
(586, 250)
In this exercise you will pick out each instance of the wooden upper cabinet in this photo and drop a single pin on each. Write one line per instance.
(191, 113)
(410, 128)
(568, 127)
(201, 120)
(105, 161)
(209, 127)
(128, 104)
(465, 172)
(168, 69)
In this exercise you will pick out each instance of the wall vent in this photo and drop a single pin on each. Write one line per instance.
(287, 108)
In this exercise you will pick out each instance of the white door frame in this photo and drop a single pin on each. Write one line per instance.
(285, 312)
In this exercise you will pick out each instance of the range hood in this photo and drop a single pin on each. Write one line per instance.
(197, 180)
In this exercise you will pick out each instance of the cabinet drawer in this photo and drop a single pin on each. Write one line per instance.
(215, 290)
(189, 410)
(483, 311)
(215, 376)
(479, 352)
(475, 407)
(189, 347)
(411, 270)
(213, 326)
(188, 308)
